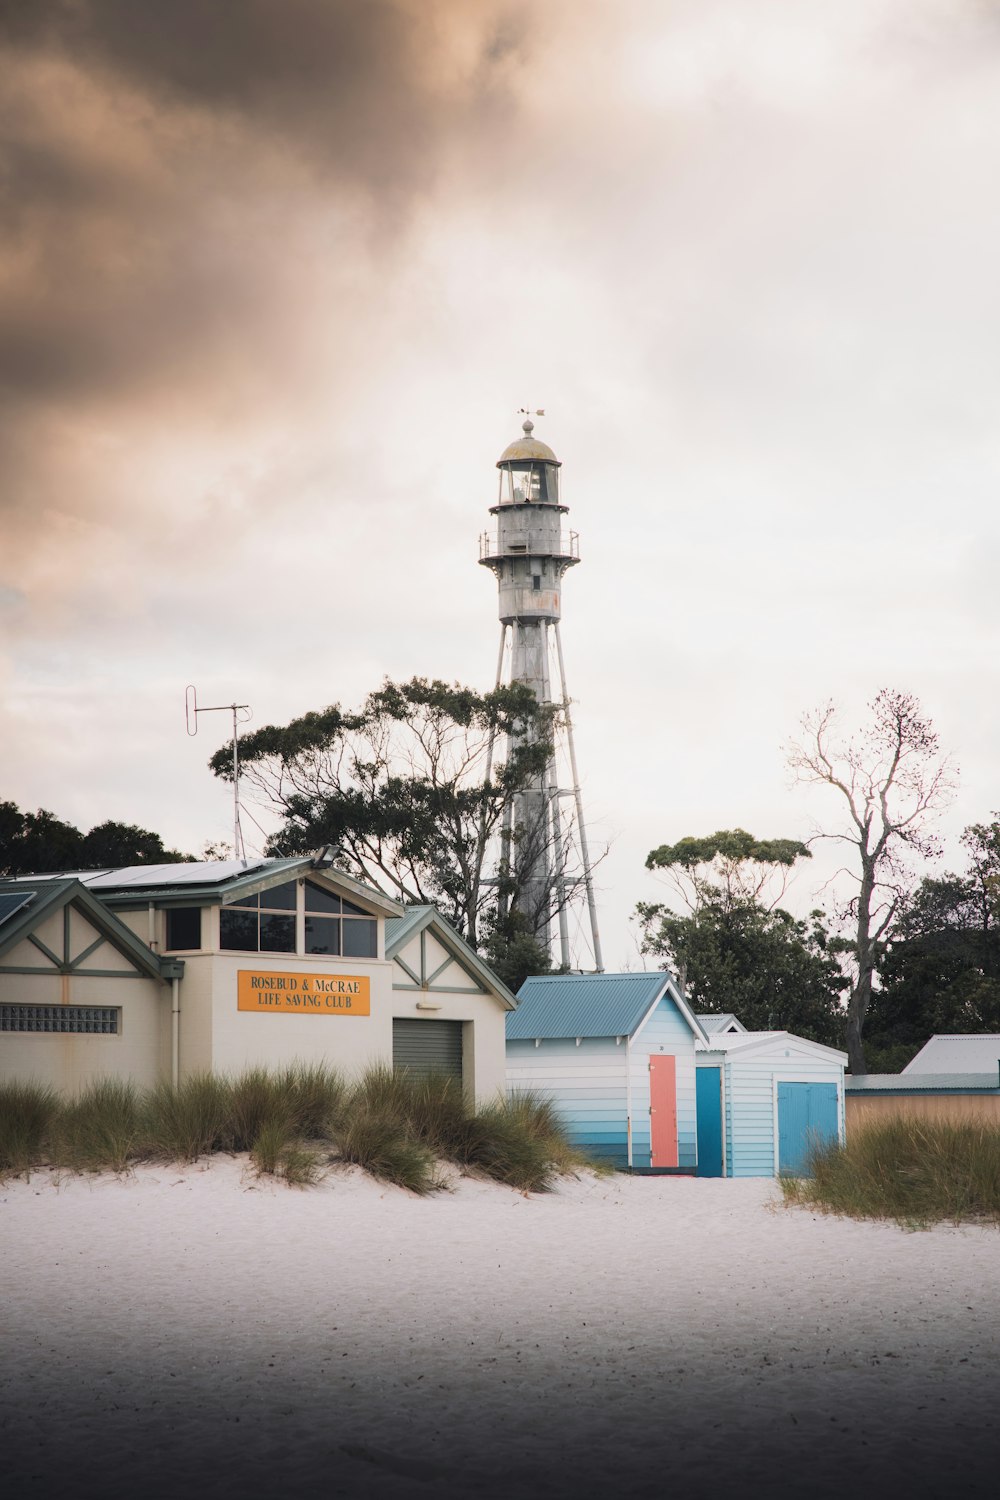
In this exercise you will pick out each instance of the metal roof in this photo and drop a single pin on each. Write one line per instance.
(399, 929)
(768, 1042)
(923, 1083)
(528, 449)
(715, 1023)
(562, 1005)
(967, 1052)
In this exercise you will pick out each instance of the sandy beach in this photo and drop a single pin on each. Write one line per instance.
(199, 1330)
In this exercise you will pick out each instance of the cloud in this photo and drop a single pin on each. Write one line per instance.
(202, 206)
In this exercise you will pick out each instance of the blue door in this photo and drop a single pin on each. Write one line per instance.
(807, 1117)
(708, 1094)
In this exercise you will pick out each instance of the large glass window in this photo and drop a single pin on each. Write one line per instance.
(335, 926)
(264, 923)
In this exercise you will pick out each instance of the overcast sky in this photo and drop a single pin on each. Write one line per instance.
(276, 275)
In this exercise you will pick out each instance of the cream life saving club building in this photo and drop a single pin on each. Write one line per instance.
(162, 971)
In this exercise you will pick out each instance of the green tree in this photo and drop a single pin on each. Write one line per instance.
(113, 844)
(773, 972)
(408, 791)
(737, 951)
(40, 843)
(731, 863)
(892, 781)
(941, 971)
(36, 843)
(512, 950)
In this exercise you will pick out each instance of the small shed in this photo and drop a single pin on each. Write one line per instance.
(616, 1054)
(763, 1099)
(958, 1052)
(955, 1097)
(953, 1077)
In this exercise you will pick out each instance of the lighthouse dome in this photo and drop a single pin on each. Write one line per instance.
(528, 449)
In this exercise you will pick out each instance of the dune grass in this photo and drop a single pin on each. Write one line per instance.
(27, 1111)
(102, 1129)
(293, 1122)
(917, 1172)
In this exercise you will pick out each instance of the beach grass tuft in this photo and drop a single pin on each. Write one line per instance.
(379, 1141)
(396, 1125)
(189, 1121)
(27, 1111)
(917, 1172)
(101, 1130)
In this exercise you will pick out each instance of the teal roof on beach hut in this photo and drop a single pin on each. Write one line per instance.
(590, 1005)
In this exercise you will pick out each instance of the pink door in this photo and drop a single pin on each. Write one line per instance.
(663, 1111)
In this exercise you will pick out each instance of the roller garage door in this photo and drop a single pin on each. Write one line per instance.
(428, 1047)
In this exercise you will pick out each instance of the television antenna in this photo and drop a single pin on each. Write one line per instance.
(191, 712)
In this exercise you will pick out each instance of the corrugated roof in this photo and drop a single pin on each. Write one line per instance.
(558, 1005)
(920, 1083)
(715, 1023)
(967, 1052)
(768, 1043)
(398, 929)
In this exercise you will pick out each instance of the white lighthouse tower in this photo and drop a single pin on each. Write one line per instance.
(530, 552)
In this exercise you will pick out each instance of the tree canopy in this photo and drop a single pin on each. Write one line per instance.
(733, 951)
(941, 971)
(40, 843)
(408, 791)
(744, 868)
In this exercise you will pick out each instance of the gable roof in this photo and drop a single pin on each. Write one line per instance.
(748, 1042)
(52, 895)
(715, 1023)
(591, 1005)
(400, 930)
(968, 1052)
(206, 881)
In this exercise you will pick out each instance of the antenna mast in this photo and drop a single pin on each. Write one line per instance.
(191, 712)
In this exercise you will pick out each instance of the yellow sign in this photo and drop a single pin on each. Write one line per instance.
(304, 994)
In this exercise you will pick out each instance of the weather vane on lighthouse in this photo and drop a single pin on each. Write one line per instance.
(530, 553)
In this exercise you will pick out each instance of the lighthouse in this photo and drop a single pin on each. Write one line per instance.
(530, 551)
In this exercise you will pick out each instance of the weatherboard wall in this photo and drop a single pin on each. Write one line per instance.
(598, 1083)
(750, 1104)
(586, 1082)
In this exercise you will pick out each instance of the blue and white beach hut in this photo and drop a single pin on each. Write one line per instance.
(763, 1099)
(616, 1054)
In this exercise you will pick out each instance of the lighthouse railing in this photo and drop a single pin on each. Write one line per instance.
(565, 547)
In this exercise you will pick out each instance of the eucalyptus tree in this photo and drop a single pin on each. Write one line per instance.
(892, 781)
(408, 791)
(735, 947)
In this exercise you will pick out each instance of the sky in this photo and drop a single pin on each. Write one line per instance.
(276, 276)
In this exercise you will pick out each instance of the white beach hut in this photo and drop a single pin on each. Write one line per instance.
(763, 1098)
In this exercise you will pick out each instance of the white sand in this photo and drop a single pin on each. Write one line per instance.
(193, 1330)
